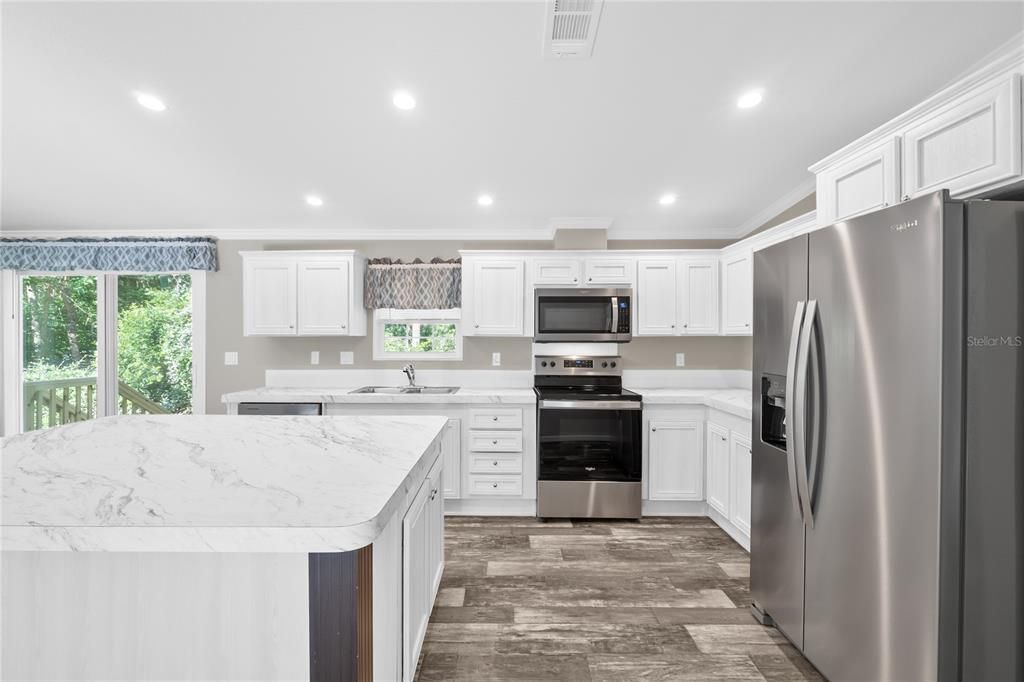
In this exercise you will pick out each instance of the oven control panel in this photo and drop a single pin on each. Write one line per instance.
(577, 365)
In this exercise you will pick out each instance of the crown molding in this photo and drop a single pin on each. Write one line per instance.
(775, 208)
(305, 234)
(579, 224)
(999, 63)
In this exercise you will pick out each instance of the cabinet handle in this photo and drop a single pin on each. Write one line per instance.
(494, 442)
(495, 464)
(746, 324)
(906, 197)
(476, 326)
(685, 326)
(494, 418)
(653, 429)
(590, 279)
(344, 327)
(494, 485)
(574, 280)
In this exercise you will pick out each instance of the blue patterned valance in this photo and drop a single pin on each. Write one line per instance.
(123, 254)
(436, 285)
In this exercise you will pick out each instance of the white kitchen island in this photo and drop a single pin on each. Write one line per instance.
(216, 547)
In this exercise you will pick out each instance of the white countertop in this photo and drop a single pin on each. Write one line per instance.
(339, 395)
(182, 483)
(733, 401)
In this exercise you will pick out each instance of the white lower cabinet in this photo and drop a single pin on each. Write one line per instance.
(718, 468)
(675, 460)
(451, 452)
(739, 488)
(422, 565)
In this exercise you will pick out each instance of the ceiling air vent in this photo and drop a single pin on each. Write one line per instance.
(571, 27)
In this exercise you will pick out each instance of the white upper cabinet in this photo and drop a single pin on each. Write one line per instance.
(554, 272)
(970, 144)
(496, 295)
(303, 293)
(608, 271)
(866, 182)
(740, 463)
(698, 296)
(675, 468)
(269, 302)
(656, 297)
(737, 292)
(323, 296)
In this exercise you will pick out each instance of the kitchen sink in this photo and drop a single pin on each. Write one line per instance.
(401, 390)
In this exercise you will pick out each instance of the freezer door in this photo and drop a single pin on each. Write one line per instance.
(993, 601)
(872, 548)
(777, 534)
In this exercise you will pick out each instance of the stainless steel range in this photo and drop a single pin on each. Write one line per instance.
(589, 431)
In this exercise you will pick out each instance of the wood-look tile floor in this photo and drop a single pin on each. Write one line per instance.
(657, 599)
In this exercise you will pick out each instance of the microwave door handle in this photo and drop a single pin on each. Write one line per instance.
(615, 315)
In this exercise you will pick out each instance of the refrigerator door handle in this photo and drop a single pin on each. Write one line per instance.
(818, 394)
(800, 396)
(793, 424)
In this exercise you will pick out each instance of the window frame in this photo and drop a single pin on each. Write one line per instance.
(11, 283)
(384, 316)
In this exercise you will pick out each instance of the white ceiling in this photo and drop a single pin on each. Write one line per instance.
(268, 102)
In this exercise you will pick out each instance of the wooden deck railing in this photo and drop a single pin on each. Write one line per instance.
(63, 401)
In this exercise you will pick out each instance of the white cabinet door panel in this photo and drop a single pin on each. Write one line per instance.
(555, 272)
(415, 572)
(675, 460)
(737, 293)
(608, 271)
(323, 297)
(435, 533)
(656, 297)
(698, 296)
(269, 296)
(498, 295)
(972, 142)
(867, 182)
(451, 451)
(718, 468)
(740, 474)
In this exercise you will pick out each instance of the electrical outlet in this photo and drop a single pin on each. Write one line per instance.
(346, 357)
(314, 357)
(496, 359)
(230, 358)
(680, 359)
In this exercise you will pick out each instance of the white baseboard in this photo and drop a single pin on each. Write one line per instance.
(725, 524)
(482, 507)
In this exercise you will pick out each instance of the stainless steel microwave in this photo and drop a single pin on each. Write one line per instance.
(582, 315)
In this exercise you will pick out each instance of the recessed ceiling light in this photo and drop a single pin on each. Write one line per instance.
(667, 199)
(749, 99)
(404, 100)
(150, 101)
(485, 200)
(314, 200)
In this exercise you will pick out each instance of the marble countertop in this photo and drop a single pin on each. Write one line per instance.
(182, 483)
(339, 395)
(733, 401)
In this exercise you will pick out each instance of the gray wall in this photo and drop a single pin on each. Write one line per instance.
(256, 354)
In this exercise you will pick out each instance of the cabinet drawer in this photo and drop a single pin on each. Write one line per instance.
(496, 441)
(495, 485)
(495, 464)
(496, 419)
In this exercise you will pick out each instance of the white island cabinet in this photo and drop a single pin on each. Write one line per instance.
(217, 547)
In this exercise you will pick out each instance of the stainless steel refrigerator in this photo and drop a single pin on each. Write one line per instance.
(888, 460)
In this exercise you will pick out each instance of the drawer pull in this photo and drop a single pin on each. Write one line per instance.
(495, 463)
(494, 442)
(494, 485)
(494, 418)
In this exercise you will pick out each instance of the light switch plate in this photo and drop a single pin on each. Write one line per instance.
(346, 357)
(314, 357)
(230, 357)
(496, 359)
(680, 359)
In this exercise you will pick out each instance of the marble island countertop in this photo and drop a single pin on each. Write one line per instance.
(733, 401)
(182, 483)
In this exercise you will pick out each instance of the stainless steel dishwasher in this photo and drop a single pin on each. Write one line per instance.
(275, 409)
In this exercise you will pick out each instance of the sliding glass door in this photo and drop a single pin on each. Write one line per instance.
(97, 345)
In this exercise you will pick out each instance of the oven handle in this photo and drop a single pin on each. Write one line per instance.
(590, 405)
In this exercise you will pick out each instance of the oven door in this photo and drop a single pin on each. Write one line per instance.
(580, 315)
(589, 440)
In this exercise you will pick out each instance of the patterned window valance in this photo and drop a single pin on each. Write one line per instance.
(123, 254)
(436, 285)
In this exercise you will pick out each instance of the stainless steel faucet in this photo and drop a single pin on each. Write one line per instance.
(410, 372)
